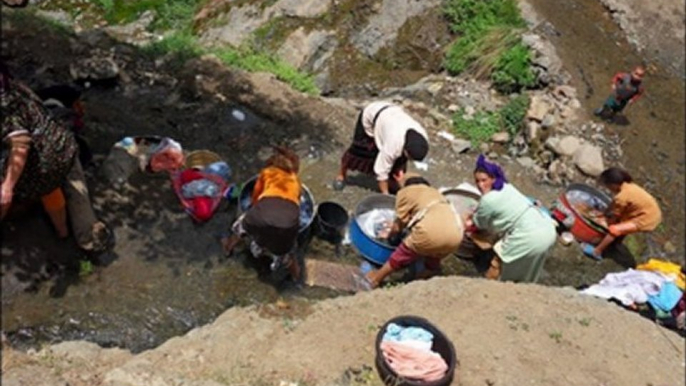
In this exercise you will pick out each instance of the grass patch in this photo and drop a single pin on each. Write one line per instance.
(484, 124)
(489, 45)
(170, 14)
(183, 46)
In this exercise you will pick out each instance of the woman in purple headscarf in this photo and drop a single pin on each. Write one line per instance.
(525, 232)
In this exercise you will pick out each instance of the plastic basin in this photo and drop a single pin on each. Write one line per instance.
(371, 249)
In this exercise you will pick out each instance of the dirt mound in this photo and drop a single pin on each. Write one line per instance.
(504, 334)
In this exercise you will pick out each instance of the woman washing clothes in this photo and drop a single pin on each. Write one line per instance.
(385, 138)
(273, 220)
(40, 160)
(632, 210)
(526, 233)
(433, 228)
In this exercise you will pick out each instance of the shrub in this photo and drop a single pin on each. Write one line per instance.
(513, 113)
(512, 70)
(483, 125)
(478, 129)
(489, 45)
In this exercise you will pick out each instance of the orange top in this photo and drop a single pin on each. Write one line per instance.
(275, 182)
(634, 204)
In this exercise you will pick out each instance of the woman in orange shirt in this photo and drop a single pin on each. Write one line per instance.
(632, 210)
(273, 220)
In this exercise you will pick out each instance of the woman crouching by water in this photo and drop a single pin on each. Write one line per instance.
(632, 210)
(273, 220)
(526, 233)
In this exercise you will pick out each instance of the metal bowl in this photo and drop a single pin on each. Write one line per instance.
(306, 203)
(369, 247)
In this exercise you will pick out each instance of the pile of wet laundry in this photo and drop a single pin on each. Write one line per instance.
(201, 190)
(654, 289)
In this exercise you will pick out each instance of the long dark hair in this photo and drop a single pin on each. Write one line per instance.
(615, 176)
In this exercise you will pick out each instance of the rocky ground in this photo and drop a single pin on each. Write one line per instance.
(552, 331)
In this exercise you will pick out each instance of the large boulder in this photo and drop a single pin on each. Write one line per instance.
(565, 146)
(589, 159)
(382, 28)
(302, 50)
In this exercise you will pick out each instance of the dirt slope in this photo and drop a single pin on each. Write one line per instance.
(504, 334)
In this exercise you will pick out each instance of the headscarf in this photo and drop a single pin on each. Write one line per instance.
(493, 170)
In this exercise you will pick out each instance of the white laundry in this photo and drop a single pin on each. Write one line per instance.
(371, 221)
(628, 287)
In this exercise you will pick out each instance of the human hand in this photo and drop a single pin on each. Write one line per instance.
(6, 194)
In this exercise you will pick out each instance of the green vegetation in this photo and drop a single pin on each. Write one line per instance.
(85, 268)
(170, 14)
(512, 114)
(484, 124)
(489, 44)
(180, 43)
(556, 336)
(184, 46)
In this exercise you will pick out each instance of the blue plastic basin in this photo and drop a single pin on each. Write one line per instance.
(367, 246)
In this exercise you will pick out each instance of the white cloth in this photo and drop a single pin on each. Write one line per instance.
(372, 220)
(628, 287)
(388, 133)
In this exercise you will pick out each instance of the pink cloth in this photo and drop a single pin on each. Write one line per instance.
(413, 363)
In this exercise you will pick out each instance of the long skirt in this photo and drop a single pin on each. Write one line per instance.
(273, 223)
(362, 153)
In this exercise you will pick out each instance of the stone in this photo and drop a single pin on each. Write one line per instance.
(565, 146)
(574, 104)
(460, 146)
(302, 48)
(382, 27)
(589, 159)
(538, 108)
(548, 122)
(669, 247)
(526, 162)
(94, 68)
(136, 32)
(484, 147)
(501, 137)
(58, 16)
(532, 130)
(565, 91)
(470, 111)
(453, 108)
(301, 8)
(434, 88)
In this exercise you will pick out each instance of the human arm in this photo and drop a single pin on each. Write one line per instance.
(259, 188)
(383, 166)
(19, 150)
(637, 96)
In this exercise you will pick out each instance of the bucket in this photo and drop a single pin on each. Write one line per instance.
(441, 345)
(330, 219)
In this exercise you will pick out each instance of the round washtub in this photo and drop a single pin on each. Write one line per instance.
(440, 344)
(573, 208)
(367, 245)
(465, 203)
(306, 203)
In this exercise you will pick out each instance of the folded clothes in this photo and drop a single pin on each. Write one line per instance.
(396, 333)
(667, 298)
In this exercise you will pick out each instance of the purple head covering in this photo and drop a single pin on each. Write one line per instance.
(493, 170)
